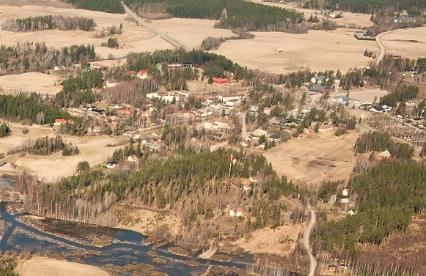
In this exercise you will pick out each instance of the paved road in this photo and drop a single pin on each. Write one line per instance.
(176, 44)
(306, 235)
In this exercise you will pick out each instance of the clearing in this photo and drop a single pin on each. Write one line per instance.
(45, 266)
(31, 82)
(314, 158)
(277, 52)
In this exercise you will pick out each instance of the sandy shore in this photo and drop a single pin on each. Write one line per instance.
(39, 266)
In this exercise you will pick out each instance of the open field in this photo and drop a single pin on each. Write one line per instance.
(30, 82)
(50, 168)
(133, 38)
(364, 95)
(409, 43)
(38, 266)
(317, 50)
(349, 19)
(190, 32)
(53, 167)
(315, 158)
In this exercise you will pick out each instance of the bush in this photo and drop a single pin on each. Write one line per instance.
(83, 166)
(4, 130)
(70, 150)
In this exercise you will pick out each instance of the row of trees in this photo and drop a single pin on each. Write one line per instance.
(49, 145)
(49, 22)
(380, 141)
(37, 57)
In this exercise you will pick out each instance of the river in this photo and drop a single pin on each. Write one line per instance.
(127, 247)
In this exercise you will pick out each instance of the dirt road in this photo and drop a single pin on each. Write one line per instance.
(150, 28)
(306, 236)
(382, 49)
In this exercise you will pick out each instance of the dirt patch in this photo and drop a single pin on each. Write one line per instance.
(31, 82)
(44, 266)
(315, 158)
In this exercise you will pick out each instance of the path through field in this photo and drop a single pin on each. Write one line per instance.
(306, 236)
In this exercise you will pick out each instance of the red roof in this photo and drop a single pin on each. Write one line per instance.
(220, 80)
(60, 121)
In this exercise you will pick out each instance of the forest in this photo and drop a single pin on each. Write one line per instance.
(30, 56)
(184, 184)
(380, 141)
(370, 6)
(49, 22)
(388, 195)
(78, 90)
(29, 108)
(239, 13)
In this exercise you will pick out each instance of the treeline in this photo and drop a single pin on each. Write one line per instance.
(78, 90)
(371, 6)
(29, 108)
(111, 6)
(37, 57)
(379, 141)
(388, 195)
(49, 22)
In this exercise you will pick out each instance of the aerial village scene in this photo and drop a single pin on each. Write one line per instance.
(212, 137)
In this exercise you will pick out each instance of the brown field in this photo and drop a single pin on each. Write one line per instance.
(51, 168)
(190, 32)
(30, 82)
(410, 43)
(364, 95)
(133, 39)
(38, 266)
(349, 19)
(267, 240)
(314, 158)
(317, 50)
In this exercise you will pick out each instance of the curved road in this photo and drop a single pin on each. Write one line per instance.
(382, 48)
(306, 235)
